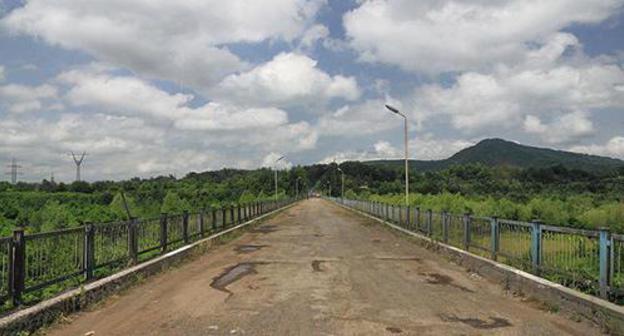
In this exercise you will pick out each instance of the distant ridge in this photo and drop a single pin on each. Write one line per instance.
(499, 152)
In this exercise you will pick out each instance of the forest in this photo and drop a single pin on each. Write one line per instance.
(556, 195)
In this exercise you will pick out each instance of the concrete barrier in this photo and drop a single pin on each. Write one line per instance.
(607, 315)
(32, 318)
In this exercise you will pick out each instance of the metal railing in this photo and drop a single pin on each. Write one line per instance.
(36, 266)
(588, 260)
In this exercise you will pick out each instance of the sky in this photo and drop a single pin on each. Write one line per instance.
(162, 87)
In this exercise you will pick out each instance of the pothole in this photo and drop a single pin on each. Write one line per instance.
(394, 330)
(492, 323)
(248, 248)
(316, 265)
(233, 274)
(444, 280)
(264, 229)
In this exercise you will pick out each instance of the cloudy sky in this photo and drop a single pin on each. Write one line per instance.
(167, 87)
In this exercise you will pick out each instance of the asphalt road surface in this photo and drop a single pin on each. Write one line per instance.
(318, 269)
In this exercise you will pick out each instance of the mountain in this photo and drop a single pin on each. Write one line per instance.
(499, 152)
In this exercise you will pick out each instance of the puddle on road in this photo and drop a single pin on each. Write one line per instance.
(444, 280)
(233, 274)
(394, 330)
(264, 229)
(248, 248)
(316, 265)
(493, 323)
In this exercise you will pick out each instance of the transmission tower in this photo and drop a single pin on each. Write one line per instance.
(14, 171)
(78, 162)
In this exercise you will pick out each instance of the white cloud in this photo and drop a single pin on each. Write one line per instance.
(368, 117)
(435, 36)
(270, 161)
(180, 41)
(316, 33)
(129, 96)
(425, 147)
(563, 129)
(22, 98)
(1, 73)
(612, 148)
(548, 85)
(289, 79)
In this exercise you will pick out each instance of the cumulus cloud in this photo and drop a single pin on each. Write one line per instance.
(563, 129)
(365, 118)
(439, 36)
(288, 79)
(614, 147)
(270, 161)
(547, 84)
(426, 147)
(22, 98)
(180, 41)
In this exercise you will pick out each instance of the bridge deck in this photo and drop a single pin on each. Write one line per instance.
(317, 269)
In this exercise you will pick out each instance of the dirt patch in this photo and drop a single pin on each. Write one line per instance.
(264, 229)
(233, 274)
(316, 265)
(244, 249)
(444, 280)
(394, 330)
(492, 323)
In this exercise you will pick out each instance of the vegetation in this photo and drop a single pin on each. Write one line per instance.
(493, 178)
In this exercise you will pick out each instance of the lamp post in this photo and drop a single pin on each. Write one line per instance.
(275, 167)
(342, 185)
(396, 111)
(297, 185)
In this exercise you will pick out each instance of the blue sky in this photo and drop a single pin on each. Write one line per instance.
(161, 87)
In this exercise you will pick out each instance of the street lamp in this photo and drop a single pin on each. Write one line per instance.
(275, 167)
(396, 111)
(342, 187)
(297, 185)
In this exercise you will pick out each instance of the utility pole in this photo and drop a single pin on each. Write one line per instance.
(396, 111)
(14, 171)
(275, 168)
(342, 186)
(78, 162)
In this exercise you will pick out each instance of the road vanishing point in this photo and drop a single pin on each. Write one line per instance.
(318, 269)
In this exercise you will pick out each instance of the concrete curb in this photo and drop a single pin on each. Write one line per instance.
(32, 318)
(607, 315)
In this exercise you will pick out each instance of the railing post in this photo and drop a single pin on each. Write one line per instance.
(429, 222)
(133, 242)
(494, 238)
(238, 209)
(185, 218)
(214, 220)
(467, 231)
(223, 217)
(417, 218)
(232, 221)
(407, 217)
(163, 232)
(18, 269)
(536, 246)
(200, 223)
(605, 246)
(445, 219)
(387, 212)
(89, 250)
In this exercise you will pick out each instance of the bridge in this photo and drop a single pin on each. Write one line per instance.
(319, 269)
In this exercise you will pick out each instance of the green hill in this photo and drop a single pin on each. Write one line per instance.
(499, 152)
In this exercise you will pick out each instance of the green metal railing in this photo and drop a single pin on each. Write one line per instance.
(37, 266)
(588, 260)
